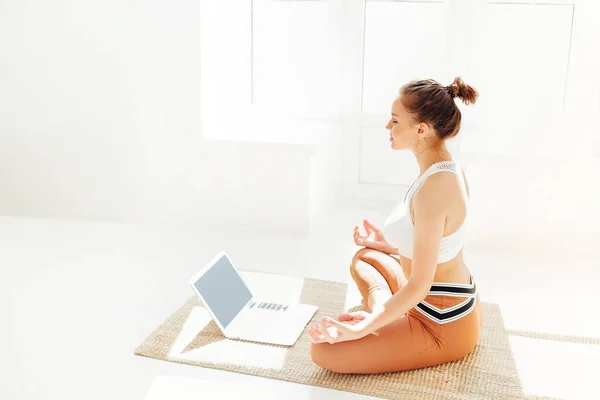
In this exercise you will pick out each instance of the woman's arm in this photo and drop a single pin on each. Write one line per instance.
(430, 208)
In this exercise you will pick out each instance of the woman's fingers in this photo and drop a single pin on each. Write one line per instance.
(357, 232)
(338, 327)
(371, 226)
(350, 316)
(328, 330)
(345, 317)
(331, 333)
(316, 336)
(349, 319)
(367, 228)
(357, 240)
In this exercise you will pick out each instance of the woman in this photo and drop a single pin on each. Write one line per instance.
(422, 308)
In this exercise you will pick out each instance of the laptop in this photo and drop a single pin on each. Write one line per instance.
(239, 315)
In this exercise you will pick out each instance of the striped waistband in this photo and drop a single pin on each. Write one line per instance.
(453, 313)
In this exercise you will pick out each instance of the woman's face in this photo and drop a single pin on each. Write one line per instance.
(402, 130)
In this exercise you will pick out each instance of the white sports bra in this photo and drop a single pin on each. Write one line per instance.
(399, 228)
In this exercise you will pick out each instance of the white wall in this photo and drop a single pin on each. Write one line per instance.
(99, 119)
(519, 204)
(91, 91)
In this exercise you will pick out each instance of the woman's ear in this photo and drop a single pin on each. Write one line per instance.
(422, 129)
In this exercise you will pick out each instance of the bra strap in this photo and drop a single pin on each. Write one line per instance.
(443, 166)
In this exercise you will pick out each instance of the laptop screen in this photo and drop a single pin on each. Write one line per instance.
(223, 291)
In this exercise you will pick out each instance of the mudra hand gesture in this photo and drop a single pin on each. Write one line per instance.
(348, 326)
(374, 239)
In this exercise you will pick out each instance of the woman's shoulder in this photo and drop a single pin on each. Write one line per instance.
(439, 190)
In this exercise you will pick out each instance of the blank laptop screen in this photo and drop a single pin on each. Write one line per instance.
(223, 291)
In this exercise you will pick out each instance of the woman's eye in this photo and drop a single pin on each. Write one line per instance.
(395, 122)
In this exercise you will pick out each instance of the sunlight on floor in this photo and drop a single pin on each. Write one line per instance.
(166, 387)
(223, 350)
(554, 346)
(551, 368)
(197, 320)
(554, 314)
(175, 387)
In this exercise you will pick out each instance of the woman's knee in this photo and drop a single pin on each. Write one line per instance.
(318, 354)
(362, 255)
(355, 260)
(373, 266)
(322, 356)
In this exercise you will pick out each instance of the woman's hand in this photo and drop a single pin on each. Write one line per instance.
(349, 326)
(374, 238)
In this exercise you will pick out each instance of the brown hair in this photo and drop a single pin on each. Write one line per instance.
(430, 102)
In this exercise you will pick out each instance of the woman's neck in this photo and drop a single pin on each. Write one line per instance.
(432, 156)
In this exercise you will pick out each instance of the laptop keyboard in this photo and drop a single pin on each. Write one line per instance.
(270, 306)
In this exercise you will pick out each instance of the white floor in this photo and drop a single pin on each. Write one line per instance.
(76, 298)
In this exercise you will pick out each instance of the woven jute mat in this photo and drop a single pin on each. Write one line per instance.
(189, 336)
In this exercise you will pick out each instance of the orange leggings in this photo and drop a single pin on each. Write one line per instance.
(414, 340)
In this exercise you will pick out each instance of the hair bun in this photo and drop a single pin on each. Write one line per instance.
(466, 93)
